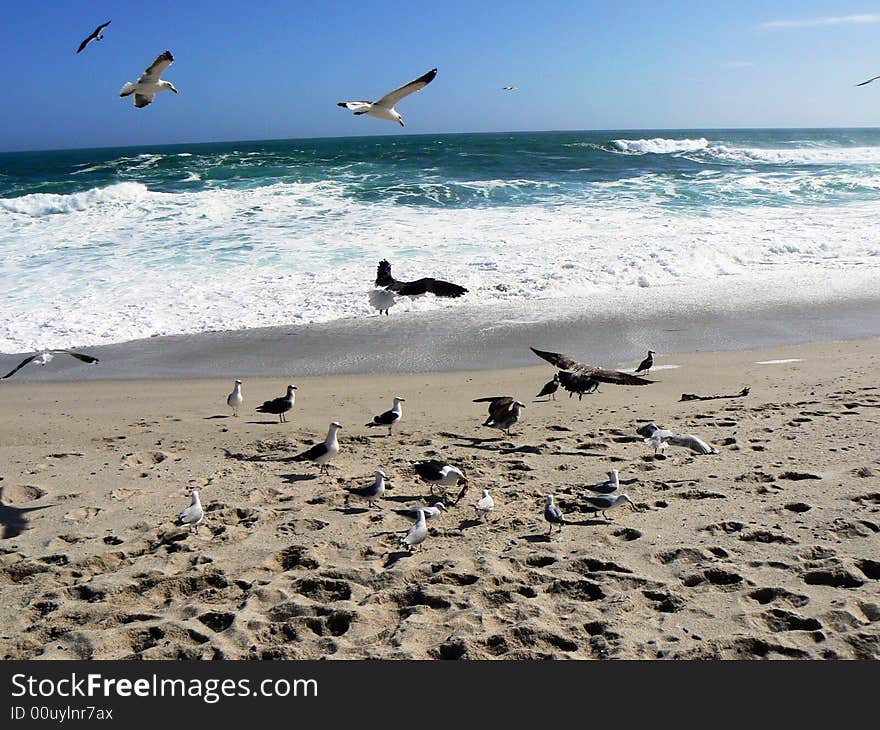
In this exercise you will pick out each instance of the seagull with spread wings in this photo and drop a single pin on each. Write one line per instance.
(416, 288)
(41, 358)
(150, 83)
(96, 35)
(600, 375)
(384, 107)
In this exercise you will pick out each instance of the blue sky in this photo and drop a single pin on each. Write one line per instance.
(270, 69)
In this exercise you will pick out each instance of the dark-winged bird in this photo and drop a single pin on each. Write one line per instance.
(550, 388)
(646, 364)
(279, 406)
(384, 108)
(150, 83)
(577, 383)
(41, 358)
(322, 454)
(503, 411)
(552, 514)
(418, 287)
(601, 375)
(95, 36)
(389, 418)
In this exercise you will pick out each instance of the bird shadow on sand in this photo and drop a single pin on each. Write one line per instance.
(13, 520)
(406, 498)
(591, 454)
(213, 418)
(472, 439)
(354, 510)
(264, 423)
(294, 478)
(394, 557)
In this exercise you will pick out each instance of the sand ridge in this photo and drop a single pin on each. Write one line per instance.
(767, 549)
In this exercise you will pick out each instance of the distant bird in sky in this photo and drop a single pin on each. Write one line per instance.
(322, 454)
(149, 84)
(550, 388)
(279, 406)
(615, 377)
(504, 411)
(235, 398)
(193, 515)
(389, 418)
(868, 81)
(384, 107)
(46, 356)
(415, 288)
(95, 36)
(646, 364)
(509, 88)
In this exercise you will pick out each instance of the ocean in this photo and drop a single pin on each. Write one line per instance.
(108, 245)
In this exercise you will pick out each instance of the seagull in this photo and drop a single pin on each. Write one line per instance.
(415, 288)
(552, 514)
(417, 533)
(149, 84)
(371, 492)
(382, 300)
(441, 474)
(430, 512)
(279, 406)
(235, 399)
(657, 442)
(389, 418)
(503, 411)
(659, 438)
(322, 454)
(550, 388)
(384, 107)
(868, 81)
(194, 514)
(646, 364)
(485, 505)
(603, 502)
(615, 377)
(577, 383)
(95, 36)
(509, 88)
(612, 484)
(46, 356)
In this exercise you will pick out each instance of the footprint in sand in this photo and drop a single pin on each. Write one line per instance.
(15, 494)
(147, 459)
(82, 514)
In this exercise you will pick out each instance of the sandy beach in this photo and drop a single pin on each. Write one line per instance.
(768, 549)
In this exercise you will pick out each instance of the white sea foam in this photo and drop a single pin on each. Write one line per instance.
(123, 262)
(659, 145)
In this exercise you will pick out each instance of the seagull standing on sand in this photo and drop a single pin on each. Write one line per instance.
(504, 411)
(371, 492)
(235, 399)
(193, 515)
(485, 505)
(612, 484)
(550, 388)
(95, 36)
(46, 356)
(322, 454)
(603, 502)
(440, 474)
(417, 533)
(389, 418)
(552, 514)
(431, 512)
(384, 107)
(149, 84)
(279, 406)
(646, 364)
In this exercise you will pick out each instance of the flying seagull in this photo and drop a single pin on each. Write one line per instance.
(552, 514)
(603, 502)
(659, 438)
(384, 107)
(279, 406)
(193, 515)
(440, 473)
(371, 492)
(550, 388)
(41, 358)
(509, 88)
(577, 383)
(149, 84)
(322, 454)
(235, 399)
(95, 36)
(601, 375)
(503, 411)
(868, 81)
(646, 364)
(430, 512)
(415, 288)
(389, 418)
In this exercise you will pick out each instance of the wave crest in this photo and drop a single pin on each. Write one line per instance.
(39, 205)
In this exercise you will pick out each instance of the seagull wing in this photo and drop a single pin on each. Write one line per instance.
(155, 69)
(391, 98)
(444, 288)
(868, 81)
(313, 453)
(603, 375)
(23, 363)
(142, 100)
(85, 43)
(358, 107)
